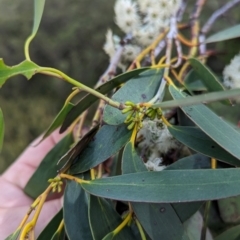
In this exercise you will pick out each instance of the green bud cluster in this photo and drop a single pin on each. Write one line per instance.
(135, 113)
(153, 113)
(56, 184)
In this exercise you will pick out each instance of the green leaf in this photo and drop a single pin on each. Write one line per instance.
(229, 33)
(207, 77)
(89, 99)
(193, 82)
(131, 162)
(52, 226)
(101, 211)
(214, 126)
(109, 236)
(76, 150)
(58, 119)
(26, 68)
(168, 186)
(197, 140)
(139, 89)
(75, 212)
(107, 142)
(196, 161)
(47, 169)
(229, 209)
(59, 235)
(14, 236)
(159, 220)
(38, 11)
(230, 234)
(2, 127)
(203, 98)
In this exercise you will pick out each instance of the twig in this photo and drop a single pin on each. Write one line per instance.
(181, 10)
(207, 26)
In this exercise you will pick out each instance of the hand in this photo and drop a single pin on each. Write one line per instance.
(14, 203)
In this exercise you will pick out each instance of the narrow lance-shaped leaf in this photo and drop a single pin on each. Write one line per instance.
(89, 99)
(229, 33)
(101, 211)
(203, 98)
(75, 212)
(58, 120)
(47, 169)
(52, 226)
(107, 142)
(139, 89)
(197, 140)
(26, 68)
(159, 220)
(207, 77)
(214, 126)
(1, 129)
(193, 82)
(38, 11)
(76, 150)
(168, 186)
(14, 236)
(232, 233)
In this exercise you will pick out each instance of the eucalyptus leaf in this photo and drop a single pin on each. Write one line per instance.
(38, 11)
(131, 162)
(197, 140)
(226, 34)
(107, 142)
(2, 129)
(101, 211)
(139, 89)
(58, 119)
(160, 220)
(193, 82)
(49, 231)
(203, 98)
(214, 126)
(196, 161)
(89, 99)
(207, 77)
(168, 186)
(232, 233)
(47, 169)
(26, 68)
(14, 236)
(75, 212)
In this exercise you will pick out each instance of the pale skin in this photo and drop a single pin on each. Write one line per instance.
(14, 203)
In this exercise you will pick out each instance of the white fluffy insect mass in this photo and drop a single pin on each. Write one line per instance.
(143, 20)
(157, 140)
(231, 74)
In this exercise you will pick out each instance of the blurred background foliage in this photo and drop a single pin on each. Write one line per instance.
(70, 38)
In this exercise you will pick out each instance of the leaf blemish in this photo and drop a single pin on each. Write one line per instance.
(162, 210)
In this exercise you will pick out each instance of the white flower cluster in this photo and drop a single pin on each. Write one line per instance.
(157, 140)
(144, 20)
(231, 74)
